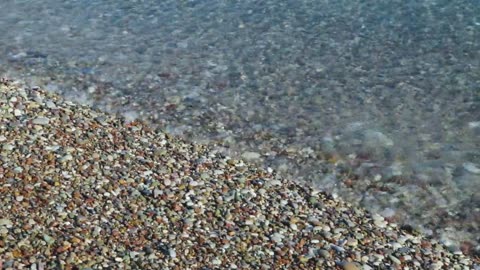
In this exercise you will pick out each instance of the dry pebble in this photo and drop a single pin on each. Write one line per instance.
(84, 189)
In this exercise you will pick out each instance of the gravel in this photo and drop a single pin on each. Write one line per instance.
(81, 188)
(377, 101)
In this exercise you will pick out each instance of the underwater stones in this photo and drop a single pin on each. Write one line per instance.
(249, 156)
(471, 168)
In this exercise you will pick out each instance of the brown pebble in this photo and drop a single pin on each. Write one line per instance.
(350, 266)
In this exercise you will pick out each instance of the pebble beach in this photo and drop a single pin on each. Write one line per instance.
(83, 189)
(377, 102)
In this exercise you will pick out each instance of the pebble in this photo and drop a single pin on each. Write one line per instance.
(475, 124)
(338, 249)
(376, 138)
(8, 147)
(249, 156)
(394, 259)
(472, 168)
(48, 239)
(41, 121)
(50, 104)
(350, 266)
(103, 198)
(66, 158)
(293, 226)
(17, 112)
(379, 221)
(277, 237)
(436, 266)
(6, 222)
(172, 253)
(325, 254)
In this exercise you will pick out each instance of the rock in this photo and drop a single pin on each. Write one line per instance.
(277, 237)
(324, 253)
(471, 168)
(379, 221)
(6, 222)
(66, 158)
(172, 253)
(41, 121)
(473, 125)
(436, 266)
(395, 169)
(48, 239)
(377, 138)
(50, 104)
(17, 112)
(250, 156)
(350, 266)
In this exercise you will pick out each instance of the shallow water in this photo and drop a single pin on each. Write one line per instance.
(377, 101)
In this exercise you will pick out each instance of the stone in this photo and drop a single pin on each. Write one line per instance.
(41, 121)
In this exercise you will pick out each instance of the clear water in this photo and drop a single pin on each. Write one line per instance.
(378, 101)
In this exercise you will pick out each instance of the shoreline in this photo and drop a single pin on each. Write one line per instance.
(84, 188)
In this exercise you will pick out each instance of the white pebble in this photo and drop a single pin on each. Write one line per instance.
(367, 267)
(6, 222)
(396, 246)
(471, 168)
(436, 266)
(274, 183)
(193, 183)
(50, 104)
(172, 253)
(474, 124)
(379, 221)
(277, 237)
(66, 158)
(250, 155)
(147, 173)
(41, 121)
(17, 112)
(8, 147)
